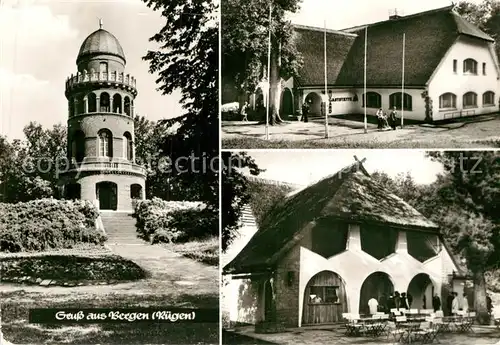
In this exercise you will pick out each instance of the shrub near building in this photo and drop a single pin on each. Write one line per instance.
(173, 221)
(45, 224)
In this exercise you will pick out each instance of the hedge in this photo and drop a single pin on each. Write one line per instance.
(174, 221)
(45, 224)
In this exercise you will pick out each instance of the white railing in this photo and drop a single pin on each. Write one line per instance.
(101, 76)
(108, 166)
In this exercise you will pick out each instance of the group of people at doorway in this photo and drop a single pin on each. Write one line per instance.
(393, 301)
(456, 304)
(386, 122)
(404, 301)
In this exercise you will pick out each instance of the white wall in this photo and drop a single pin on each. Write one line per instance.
(342, 107)
(445, 80)
(400, 266)
(239, 298)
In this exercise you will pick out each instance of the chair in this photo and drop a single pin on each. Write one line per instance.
(423, 331)
(401, 319)
(439, 313)
(399, 335)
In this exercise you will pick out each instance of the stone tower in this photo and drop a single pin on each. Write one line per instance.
(101, 127)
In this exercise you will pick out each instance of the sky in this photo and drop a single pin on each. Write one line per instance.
(348, 13)
(304, 167)
(40, 40)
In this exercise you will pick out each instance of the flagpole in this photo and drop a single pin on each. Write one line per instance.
(403, 83)
(268, 73)
(326, 88)
(366, 43)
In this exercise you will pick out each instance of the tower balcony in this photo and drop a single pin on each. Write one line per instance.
(109, 167)
(102, 79)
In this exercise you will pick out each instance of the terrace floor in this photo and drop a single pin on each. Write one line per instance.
(482, 335)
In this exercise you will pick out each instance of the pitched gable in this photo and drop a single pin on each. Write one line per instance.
(348, 195)
(428, 36)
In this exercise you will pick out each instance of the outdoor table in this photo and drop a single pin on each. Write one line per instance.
(449, 322)
(353, 328)
(373, 326)
(410, 327)
(464, 324)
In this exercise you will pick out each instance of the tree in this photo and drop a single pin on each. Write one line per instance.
(245, 35)
(235, 192)
(188, 59)
(29, 168)
(485, 15)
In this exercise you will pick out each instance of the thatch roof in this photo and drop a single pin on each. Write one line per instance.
(310, 42)
(348, 195)
(429, 35)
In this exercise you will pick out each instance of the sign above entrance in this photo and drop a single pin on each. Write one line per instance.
(344, 99)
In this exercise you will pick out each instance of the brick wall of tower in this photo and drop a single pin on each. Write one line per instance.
(123, 182)
(92, 123)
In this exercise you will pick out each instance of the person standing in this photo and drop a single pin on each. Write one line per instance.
(244, 112)
(397, 300)
(380, 119)
(449, 302)
(404, 301)
(436, 302)
(454, 304)
(465, 303)
(393, 118)
(305, 111)
(373, 305)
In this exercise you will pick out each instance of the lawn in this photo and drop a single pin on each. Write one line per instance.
(171, 280)
(204, 250)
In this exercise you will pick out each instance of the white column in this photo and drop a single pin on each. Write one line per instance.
(402, 244)
(354, 238)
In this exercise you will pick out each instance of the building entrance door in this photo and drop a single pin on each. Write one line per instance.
(106, 193)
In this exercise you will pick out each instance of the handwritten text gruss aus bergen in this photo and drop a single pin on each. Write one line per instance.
(130, 317)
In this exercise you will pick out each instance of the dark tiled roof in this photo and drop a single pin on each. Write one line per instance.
(310, 42)
(428, 37)
(349, 195)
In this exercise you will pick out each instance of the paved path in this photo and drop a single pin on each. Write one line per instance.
(166, 266)
(472, 133)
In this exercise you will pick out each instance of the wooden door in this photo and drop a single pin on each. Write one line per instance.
(324, 299)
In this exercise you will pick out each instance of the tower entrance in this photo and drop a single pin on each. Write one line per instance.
(106, 193)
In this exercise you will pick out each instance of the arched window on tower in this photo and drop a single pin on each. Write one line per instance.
(128, 146)
(104, 102)
(92, 101)
(78, 146)
(127, 105)
(117, 103)
(105, 143)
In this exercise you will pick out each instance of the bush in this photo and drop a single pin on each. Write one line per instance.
(44, 224)
(174, 221)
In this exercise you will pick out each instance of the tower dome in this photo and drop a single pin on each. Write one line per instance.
(100, 42)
